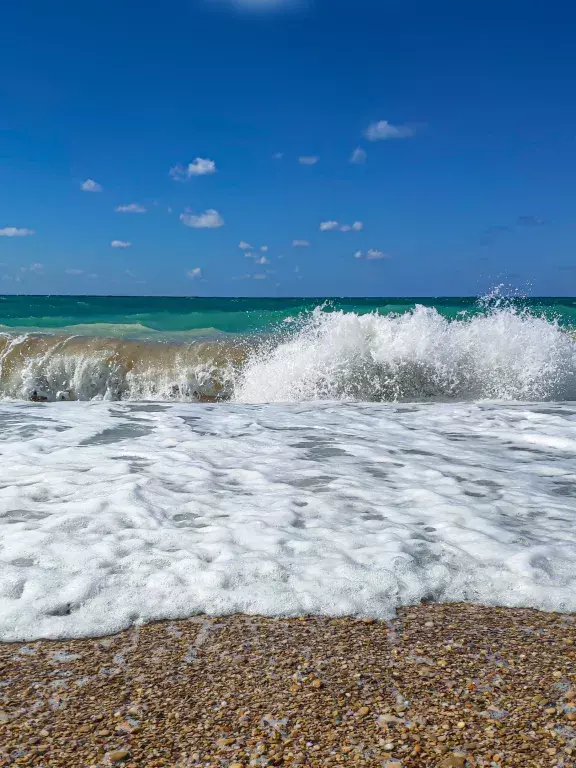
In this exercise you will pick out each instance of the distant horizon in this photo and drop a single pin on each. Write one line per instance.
(277, 298)
(283, 298)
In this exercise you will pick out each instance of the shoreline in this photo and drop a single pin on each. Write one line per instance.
(439, 685)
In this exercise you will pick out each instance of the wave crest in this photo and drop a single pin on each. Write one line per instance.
(504, 354)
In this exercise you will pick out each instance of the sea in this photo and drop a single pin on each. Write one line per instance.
(165, 457)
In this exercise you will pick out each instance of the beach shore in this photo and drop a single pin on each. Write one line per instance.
(440, 685)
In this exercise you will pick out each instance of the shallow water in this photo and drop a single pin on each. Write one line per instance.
(112, 513)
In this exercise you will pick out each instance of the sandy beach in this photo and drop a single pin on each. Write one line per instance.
(440, 685)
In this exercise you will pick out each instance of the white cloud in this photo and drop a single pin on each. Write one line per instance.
(200, 167)
(260, 276)
(194, 273)
(244, 246)
(36, 268)
(358, 255)
(374, 255)
(210, 219)
(16, 232)
(264, 249)
(130, 273)
(300, 243)
(248, 255)
(308, 160)
(277, 155)
(262, 260)
(131, 208)
(93, 275)
(120, 244)
(358, 156)
(90, 186)
(329, 226)
(382, 130)
(74, 271)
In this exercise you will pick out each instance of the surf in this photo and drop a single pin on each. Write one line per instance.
(504, 352)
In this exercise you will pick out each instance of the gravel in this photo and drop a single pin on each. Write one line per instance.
(441, 685)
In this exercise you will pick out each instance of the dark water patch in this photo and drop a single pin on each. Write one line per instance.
(117, 434)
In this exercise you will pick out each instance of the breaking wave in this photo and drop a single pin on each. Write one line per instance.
(46, 368)
(503, 354)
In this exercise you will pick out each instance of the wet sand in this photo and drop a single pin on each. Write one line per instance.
(440, 685)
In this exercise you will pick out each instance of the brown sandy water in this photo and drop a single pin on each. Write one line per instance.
(46, 367)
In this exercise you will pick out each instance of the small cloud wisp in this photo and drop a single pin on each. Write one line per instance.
(210, 219)
(200, 167)
(91, 186)
(383, 130)
(16, 232)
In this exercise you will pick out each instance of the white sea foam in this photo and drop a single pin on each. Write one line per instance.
(112, 513)
(504, 354)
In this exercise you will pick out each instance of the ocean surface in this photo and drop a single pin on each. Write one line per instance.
(162, 457)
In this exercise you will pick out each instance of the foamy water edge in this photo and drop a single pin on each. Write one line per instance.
(118, 513)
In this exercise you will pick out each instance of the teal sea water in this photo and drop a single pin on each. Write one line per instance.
(144, 316)
(286, 350)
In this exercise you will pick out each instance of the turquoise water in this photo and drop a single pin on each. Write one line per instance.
(141, 317)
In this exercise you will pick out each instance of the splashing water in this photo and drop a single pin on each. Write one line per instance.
(505, 354)
(45, 368)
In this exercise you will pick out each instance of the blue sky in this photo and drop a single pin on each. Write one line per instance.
(208, 114)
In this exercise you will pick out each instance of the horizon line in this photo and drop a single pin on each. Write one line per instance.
(325, 297)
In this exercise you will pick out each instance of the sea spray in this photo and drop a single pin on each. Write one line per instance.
(505, 354)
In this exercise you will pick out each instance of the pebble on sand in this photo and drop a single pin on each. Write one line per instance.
(241, 691)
